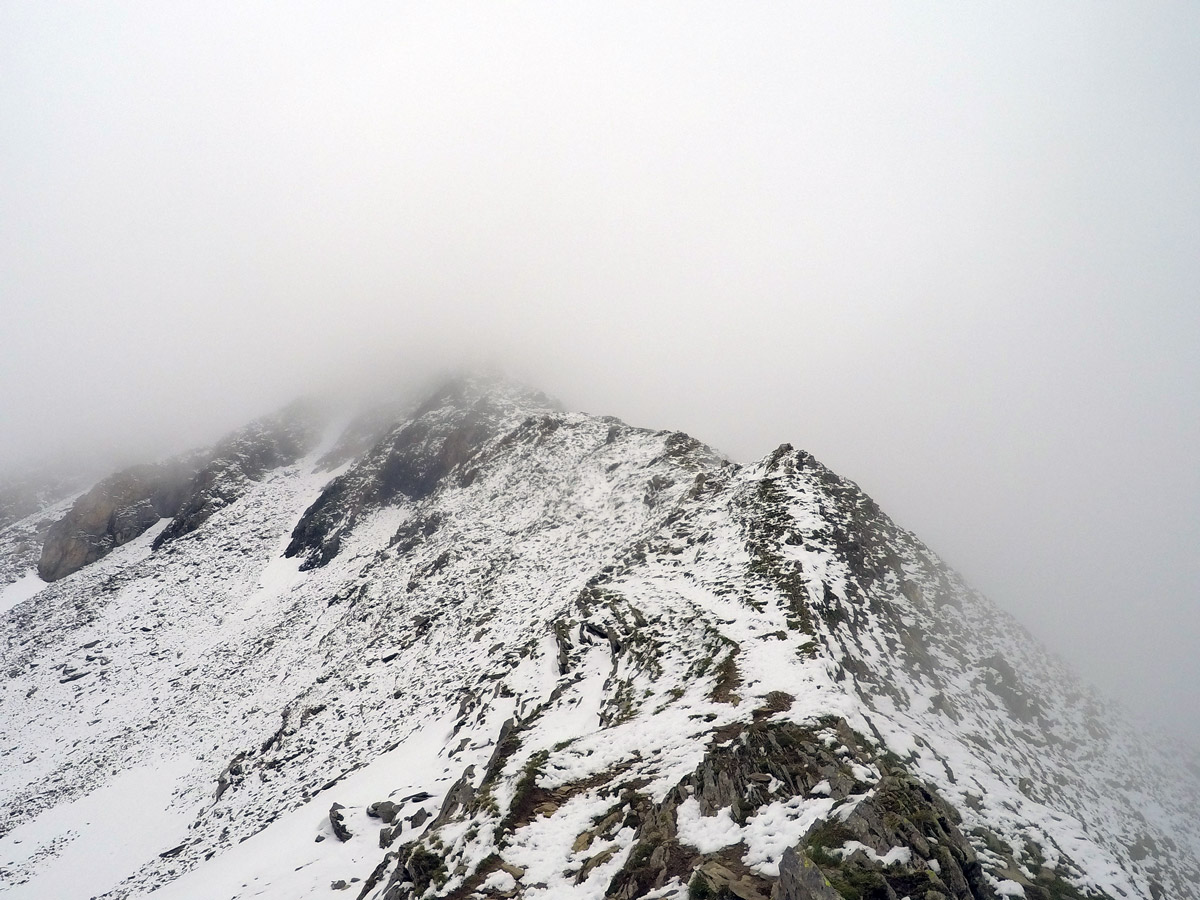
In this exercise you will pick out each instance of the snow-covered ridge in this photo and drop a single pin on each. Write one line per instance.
(582, 660)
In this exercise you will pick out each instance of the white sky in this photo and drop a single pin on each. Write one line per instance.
(950, 249)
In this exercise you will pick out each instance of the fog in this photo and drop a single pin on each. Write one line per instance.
(952, 250)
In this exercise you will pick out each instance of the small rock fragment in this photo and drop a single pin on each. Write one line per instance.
(340, 831)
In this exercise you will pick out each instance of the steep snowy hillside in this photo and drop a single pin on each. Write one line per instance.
(495, 649)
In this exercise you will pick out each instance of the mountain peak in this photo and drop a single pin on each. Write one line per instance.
(473, 389)
(507, 651)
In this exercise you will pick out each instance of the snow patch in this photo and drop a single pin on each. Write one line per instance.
(20, 590)
(81, 849)
(895, 856)
(286, 860)
(708, 834)
(780, 825)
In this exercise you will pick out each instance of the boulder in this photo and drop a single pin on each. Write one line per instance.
(800, 879)
(385, 810)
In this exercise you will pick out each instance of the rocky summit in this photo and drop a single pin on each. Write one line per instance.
(482, 647)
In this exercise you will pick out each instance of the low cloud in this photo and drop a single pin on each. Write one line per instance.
(951, 254)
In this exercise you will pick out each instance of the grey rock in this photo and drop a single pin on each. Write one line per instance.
(239, 460)
(338, 823)
(385, 810)
(114, 512)
(801, 879)
(460, 796)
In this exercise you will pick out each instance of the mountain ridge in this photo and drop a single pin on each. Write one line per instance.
(613, 612)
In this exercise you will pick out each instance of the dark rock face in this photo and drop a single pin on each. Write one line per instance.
(801, 879)
(411, 461)
(114, 512)
(852, 854)
(240, 459)
(385, 810)
(363, 432)
(187, 490)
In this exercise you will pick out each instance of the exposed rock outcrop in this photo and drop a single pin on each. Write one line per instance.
(338, 823)
(243, 457)
(877, 831)
(188, 490)
(385, 810)
(873, 832)
(413, 459)
(114, 512)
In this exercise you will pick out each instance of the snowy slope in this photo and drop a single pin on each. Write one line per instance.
(585, 660)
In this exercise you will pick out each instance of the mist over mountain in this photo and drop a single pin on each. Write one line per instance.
(952, 254)
(949, 254)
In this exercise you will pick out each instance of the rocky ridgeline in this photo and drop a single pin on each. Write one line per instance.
(588, 660)
(869, 612)
(883, 834)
